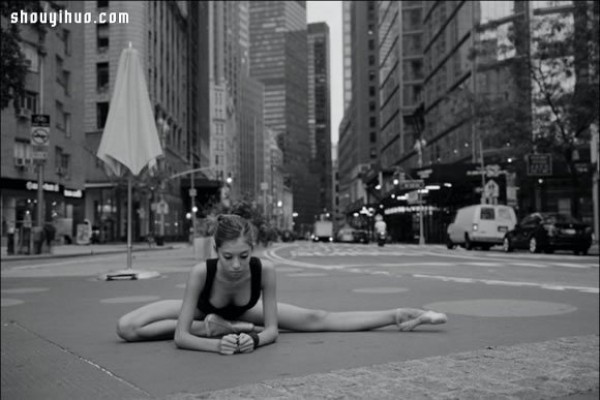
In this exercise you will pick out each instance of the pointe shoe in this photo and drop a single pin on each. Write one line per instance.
(427, 317)
(217, 326)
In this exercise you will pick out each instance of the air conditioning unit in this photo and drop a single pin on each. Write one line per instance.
(24, 113)
(19, 162)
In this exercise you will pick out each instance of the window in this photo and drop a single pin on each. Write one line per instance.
(372, 91)
(28, 102)
(102, 4)
(31, 56)
(60, 116)
(373, 137)
(372, 44)
(372, 106)
(22, 152)
(371, 60)
(66, 39)
(102, 77)
(372, 75)
(102, 35)
(487, 213)
(101, 114)
(372, 122)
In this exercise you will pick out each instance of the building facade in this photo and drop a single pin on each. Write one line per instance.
(54, 76)
(278, 54)
(319, 111)
(158, 31)
(359, 131)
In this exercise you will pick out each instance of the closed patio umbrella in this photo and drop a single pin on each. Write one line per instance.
(130, 140)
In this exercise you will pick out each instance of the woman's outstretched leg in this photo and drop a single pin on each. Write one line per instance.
(300, 319)
(154, 321)
(158, 321)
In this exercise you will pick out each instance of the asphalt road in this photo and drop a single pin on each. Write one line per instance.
(58, 319)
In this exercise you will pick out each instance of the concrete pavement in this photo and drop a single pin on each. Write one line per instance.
(74, 354)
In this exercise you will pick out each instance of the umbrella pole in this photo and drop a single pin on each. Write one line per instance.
(129, 261)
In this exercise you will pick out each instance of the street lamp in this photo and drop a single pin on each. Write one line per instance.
(420, 143)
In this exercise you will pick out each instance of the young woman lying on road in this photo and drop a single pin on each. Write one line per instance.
(221, 311)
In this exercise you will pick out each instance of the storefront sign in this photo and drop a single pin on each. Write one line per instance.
(48, 187)
(78, 194)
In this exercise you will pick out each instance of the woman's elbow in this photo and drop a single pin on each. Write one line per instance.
(179, 340)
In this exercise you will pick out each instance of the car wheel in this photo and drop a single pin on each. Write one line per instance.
(507, 245)
(534, 246)
(584, 252)
(450, 244)
(468, 243)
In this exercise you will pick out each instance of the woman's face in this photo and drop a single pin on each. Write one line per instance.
(234, 256)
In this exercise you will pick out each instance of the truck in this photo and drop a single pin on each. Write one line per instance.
(323, 231)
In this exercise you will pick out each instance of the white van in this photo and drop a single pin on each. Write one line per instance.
(480, 225)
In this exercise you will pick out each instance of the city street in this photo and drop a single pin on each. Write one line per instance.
(538, 313)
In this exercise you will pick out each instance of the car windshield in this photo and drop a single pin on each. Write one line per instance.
(559, 218)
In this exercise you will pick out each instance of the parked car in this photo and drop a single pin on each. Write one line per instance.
(345, 235)
(548, 232)
(288, 236)
(361, 236)
(480, 225)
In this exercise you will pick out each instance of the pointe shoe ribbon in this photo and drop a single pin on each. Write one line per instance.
(218, 326)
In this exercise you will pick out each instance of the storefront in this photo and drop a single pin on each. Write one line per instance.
(63, 208)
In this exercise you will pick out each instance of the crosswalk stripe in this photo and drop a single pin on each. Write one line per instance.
(582, 289)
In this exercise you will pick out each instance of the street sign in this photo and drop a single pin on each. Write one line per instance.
(40, 136)
(491, 189)
(162, 207)
(412, 184)
(539, 164)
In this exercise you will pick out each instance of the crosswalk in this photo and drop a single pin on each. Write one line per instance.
(410, 259)
(456, 257)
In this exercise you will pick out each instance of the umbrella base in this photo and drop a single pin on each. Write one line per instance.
(129, 274)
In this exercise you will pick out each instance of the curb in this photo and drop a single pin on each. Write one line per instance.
(6, 258)
(560, 368)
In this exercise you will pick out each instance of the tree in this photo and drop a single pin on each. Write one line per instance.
(554, 98)
(12, 61)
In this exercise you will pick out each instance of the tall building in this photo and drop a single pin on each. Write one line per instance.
(400, 76)
(319, 111)
(52, 87)
(278, 54)
(359, 129)
(347, 50)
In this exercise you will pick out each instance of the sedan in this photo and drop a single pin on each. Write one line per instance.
(548, 232)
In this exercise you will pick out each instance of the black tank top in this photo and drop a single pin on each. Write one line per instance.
(230, 311)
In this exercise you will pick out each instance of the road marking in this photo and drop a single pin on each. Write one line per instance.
(129, 299)
(582, 289)
(501, 308)
(25, 290)
(10, 302)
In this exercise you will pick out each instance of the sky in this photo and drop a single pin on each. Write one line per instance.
(331, 13)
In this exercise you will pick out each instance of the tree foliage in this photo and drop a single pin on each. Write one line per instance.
(553, 86)
(12, 61)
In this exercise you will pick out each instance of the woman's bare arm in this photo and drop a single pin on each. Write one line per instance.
(184, 339)
(269, 292)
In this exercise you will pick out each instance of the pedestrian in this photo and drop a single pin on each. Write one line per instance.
(221, 311)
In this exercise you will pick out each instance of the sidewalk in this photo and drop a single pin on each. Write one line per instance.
(74, 250)
(565, 369)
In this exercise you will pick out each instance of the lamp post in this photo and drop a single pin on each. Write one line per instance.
(419, 147)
